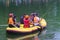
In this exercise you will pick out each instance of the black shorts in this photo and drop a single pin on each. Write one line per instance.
(10, 25)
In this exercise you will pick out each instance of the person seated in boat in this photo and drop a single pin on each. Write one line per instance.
(31, 18)
(26, 21)
(15, 22)
(21, 19)
(14, 19)
(36, 20)
(10, 20)
(39, 22)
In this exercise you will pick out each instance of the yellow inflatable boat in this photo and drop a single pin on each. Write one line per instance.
(30, 30)
(19, 37)
(22, 30)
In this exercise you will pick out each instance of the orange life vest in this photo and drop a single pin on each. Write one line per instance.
(10, 20)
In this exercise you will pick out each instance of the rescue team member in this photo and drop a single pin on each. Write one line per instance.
(21, 19)
(15, 22)
(31, 18)
(14, 19)
(26, 22)
(10, 20)
(36, 20)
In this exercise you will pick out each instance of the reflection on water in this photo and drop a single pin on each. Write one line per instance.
(57, 36)
(27, 39)
(36, 38)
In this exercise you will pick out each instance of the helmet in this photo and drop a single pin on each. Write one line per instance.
(11, 14)
(27, 16)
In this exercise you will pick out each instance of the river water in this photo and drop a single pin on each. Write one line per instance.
(50, 11)
(53, 24)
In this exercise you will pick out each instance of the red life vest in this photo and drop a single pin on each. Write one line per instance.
(26, 23)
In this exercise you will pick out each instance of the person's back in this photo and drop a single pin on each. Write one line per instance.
(21, 20)
(10, 20)
(26, 22)
(14, 19)
(15, 22)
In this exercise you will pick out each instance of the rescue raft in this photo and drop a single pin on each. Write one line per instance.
(22, 30)
(30, 30)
